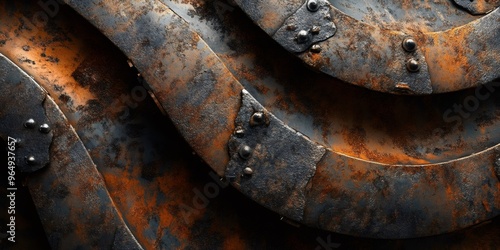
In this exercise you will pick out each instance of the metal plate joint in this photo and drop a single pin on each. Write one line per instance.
(271, 162)
(310, 24)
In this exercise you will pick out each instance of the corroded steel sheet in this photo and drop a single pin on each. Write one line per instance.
(367, 48)
(175, 102)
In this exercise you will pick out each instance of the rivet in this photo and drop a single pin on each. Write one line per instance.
(291, 27)
(315, 29)
(248, 171)
(258, 118)
(302, 36)
(316, 48)
(239, 132)
(30, 123)
(409, 45)
(412, 65)
(313, 5)
(44, 128)
(31, 160)
(245, 152)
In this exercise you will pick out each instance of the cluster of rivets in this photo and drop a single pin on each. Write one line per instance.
(30, 123)
(316, 48)
(413, 65)
(245, 152)
(302, 36)
(31, 160)
(313, 5)
(258, 118)
(410, 45)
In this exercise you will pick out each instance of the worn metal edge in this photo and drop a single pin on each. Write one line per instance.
(40, 184)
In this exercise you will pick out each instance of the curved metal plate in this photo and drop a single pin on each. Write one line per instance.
(372, 57)
(70, 187)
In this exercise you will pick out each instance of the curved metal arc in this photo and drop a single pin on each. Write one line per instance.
(374, 58)
(71, 198)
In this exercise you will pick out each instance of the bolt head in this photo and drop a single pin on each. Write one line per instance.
(45, 128)
(245, 152)
(313, 5)
(409, 45)
(31, 160)
(248, 171)
(302, 36)
(30, 123)
(413, 65)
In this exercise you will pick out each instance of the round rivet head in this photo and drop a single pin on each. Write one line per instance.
(409, 45)
(239, 132)
(30, 123)
(413, 65)
(31, 160)
(313, 5)
(302, 36)
(245, 152)
(45, 128)
(315, 29)
(258, 118)
(316, 48)
(248, 171)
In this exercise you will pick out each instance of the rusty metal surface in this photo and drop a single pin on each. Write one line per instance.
(178, 66)
(317, 25)
(133, 166)
(400, 202)
(152, 176)
(270, 162)
(21, 93)
(352, 121)
(479, 6)
(70, 186)
(137, 53)
(371, 56)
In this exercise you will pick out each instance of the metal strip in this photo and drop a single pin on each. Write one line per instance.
(377, 58)
(69, 194)
(23, 117)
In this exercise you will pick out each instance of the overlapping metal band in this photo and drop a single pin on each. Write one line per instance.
(344, 194)
(373, 57)
(68, 191)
